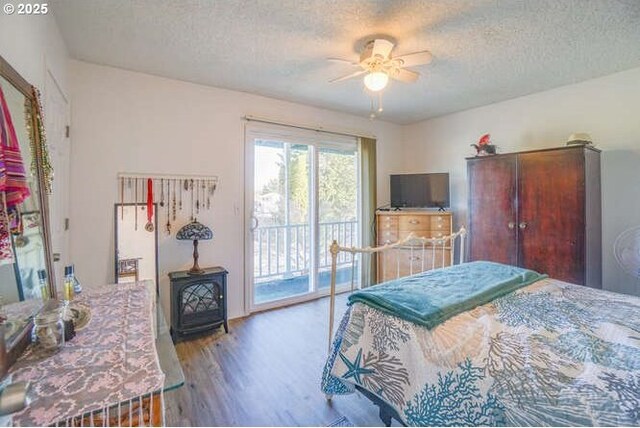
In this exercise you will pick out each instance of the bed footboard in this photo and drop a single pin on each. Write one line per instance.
(435, 247)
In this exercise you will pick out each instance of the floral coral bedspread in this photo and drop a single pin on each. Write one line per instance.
(551, 353)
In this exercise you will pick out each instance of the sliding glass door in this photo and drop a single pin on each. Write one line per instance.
(281, 215)
(337, 211)
(302, 194)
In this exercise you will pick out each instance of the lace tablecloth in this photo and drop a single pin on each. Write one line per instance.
(112, 360)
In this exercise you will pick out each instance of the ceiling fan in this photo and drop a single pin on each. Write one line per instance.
(378, 65)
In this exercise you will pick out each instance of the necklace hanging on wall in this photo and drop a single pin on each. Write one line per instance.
(203, 186)
(198, 197)
(149, 227)
(135, 202)
(180, 186)
(162, 192)
(173, 201)
(122, 199)
(168, 213)
(143, 200)
(191, 187)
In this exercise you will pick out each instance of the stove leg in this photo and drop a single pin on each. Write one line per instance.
(226, 327)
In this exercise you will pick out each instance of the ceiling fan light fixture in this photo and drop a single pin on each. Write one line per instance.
(376, 81)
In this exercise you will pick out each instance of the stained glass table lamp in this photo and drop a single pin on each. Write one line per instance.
(195, 232)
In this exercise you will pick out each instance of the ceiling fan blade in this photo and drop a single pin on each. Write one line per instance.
(403, 75)
(344, 61)
(415, 58)
(348, 76)
(382, 48)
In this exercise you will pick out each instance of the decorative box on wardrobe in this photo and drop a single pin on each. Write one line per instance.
(540, 210)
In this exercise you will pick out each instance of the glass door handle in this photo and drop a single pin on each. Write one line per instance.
(254, 223)
(56, 257)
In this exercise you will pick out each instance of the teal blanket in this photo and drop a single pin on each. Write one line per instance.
(432, 297)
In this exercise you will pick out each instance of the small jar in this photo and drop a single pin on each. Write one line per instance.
(47, 335)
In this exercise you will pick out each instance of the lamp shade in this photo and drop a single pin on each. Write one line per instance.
(194, 231)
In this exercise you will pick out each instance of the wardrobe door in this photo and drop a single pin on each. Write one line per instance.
(551, 213)
(492, 210)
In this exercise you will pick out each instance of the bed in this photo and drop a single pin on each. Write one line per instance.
(545, 353)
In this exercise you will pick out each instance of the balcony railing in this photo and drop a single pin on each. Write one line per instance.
(284, 251)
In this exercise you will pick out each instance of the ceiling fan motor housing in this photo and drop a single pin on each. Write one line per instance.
(369, 60)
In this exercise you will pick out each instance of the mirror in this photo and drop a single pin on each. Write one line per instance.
(136, 255)
(24, 233)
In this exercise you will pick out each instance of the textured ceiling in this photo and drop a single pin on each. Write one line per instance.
(484, 51)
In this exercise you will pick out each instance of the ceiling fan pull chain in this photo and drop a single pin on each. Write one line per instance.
(372, 114)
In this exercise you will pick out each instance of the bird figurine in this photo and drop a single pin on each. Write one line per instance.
(484, 146)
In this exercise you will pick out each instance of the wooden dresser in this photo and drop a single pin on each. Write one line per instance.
(392, 226)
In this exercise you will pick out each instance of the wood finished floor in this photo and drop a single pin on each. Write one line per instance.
(265, 372)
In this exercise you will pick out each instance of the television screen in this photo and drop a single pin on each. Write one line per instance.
(420, 190)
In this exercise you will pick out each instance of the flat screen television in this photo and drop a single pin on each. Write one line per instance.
(420, 190)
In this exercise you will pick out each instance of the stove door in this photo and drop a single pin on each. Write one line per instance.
(200, 304)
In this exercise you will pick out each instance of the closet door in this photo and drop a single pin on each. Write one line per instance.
(551, 213)
(492, 209)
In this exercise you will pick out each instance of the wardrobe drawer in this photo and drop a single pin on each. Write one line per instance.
(441, 222)
(410, 222)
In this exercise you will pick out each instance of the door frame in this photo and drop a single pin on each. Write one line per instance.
(315, 140)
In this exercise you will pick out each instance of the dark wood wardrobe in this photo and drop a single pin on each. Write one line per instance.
(540, 210)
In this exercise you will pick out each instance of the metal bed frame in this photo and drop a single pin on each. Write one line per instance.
(437, 248)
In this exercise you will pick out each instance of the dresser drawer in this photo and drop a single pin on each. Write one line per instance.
(387, 236)
(387, 222)
(402, 262)
(422, 234)
(402, 234)
(411, 222)
(441, 222)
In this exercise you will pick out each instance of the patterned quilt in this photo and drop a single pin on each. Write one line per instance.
(551, 353)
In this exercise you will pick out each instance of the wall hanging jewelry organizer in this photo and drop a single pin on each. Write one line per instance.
(174, 193)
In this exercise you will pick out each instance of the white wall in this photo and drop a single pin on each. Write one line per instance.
(33, 46)
(608, 108)
(131, 122)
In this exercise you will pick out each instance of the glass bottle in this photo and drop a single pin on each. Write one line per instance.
(68, 289)
(77, 287)
(43, 284)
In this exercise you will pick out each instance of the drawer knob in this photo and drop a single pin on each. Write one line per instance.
(414, 221)
(414, 258)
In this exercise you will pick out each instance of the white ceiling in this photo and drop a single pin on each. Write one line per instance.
(484, 50)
